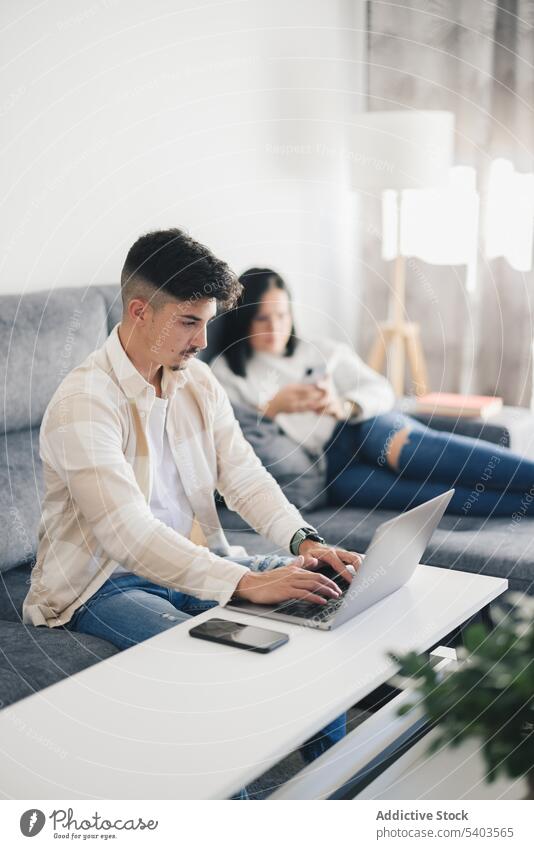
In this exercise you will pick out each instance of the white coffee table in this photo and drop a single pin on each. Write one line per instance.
(178, 718)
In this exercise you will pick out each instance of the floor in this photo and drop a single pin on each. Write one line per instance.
(267, 783)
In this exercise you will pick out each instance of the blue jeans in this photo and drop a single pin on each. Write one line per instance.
(489, 480)
(128, 609)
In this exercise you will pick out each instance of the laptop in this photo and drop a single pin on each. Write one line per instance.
(391, 559)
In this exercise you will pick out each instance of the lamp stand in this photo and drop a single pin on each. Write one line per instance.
(405, 339)
(402, 337)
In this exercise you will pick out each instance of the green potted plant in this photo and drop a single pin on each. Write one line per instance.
(488, 696)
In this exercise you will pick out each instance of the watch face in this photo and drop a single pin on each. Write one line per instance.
(296, 541)
(301, 535)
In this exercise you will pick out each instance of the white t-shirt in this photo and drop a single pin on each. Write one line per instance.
(168, 501)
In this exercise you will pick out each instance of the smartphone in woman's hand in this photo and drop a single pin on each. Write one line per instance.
(315, 374)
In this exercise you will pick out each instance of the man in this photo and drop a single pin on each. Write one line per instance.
(134, 443)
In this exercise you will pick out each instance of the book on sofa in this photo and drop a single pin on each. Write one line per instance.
(466, 406)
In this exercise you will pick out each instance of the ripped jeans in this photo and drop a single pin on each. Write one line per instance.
(489, 480)
(128, 609)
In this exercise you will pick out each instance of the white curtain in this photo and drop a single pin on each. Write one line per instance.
(476, 59)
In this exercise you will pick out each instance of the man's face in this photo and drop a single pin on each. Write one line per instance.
(177, 331)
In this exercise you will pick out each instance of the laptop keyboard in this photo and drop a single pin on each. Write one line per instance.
(311, 609)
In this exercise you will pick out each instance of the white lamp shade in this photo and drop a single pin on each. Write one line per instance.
(509, 221)
(400, 149)
(439, 225)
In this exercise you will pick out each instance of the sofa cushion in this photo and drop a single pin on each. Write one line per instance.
(488, 546)
(111, 294)
(21, 491)
(12, 687)
(480, 545)
(43, 335)
(52, 332)
(299, 474)
(32, 658)
(35, 657)
(14, 586)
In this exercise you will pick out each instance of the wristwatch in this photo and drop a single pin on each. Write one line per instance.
(300, 536)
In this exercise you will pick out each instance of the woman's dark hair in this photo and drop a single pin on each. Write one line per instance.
(235, 332)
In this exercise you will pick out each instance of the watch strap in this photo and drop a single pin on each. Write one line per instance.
(302, 534)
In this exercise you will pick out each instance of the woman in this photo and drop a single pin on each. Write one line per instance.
(324, 397)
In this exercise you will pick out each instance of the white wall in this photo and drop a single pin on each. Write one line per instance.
(225, 118)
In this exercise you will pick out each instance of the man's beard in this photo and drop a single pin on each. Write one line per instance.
(181, 366)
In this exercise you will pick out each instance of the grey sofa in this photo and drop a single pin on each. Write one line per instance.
(44, 335)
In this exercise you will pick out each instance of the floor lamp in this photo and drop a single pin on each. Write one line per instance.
(391, 152)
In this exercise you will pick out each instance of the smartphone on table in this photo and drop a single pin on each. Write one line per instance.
(237, 634)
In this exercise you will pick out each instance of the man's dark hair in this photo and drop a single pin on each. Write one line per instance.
(168, 265)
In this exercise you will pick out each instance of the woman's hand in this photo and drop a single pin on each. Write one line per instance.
(286, 582)
(294, 398)
(329, 403)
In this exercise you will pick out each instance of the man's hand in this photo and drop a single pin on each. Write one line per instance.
(338, 558)
(291, 581)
